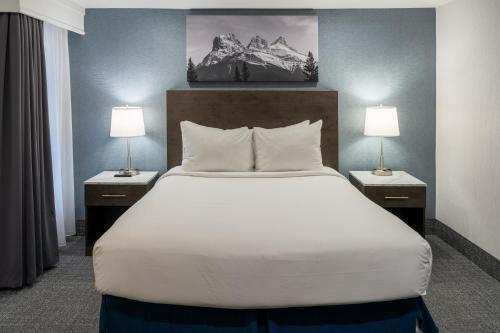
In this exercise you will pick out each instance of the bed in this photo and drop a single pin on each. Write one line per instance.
(299, 251)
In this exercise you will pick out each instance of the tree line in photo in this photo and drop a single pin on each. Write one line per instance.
(310, 71)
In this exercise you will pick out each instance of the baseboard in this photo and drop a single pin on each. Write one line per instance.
(80, 227)
(471, 251)
(429, 227)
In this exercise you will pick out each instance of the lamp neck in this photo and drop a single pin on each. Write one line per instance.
(129, 157)
(381, 166)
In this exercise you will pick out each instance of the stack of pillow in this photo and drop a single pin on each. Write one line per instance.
(292, 148)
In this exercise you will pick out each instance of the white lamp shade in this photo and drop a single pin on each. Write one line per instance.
(381, 121)
(127, 121)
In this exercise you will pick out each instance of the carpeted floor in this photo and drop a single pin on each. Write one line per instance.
(461, 297)
(63, 300)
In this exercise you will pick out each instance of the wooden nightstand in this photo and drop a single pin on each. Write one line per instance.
(401, 194)
(108, 197)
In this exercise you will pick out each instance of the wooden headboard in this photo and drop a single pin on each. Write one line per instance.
(269, 109)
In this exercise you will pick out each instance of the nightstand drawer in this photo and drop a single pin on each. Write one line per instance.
(113, 195)
(396, 196)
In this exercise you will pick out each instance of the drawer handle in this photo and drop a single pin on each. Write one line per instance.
(113, 195)
(396, 198)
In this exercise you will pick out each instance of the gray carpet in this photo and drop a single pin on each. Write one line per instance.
(63, 300)
(461, 297)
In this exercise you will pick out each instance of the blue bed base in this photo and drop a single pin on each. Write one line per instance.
(124, 315)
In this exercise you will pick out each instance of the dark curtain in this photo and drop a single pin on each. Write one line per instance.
(28, 236)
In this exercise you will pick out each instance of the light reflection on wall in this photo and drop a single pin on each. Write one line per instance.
(132, 85)
(371, 87)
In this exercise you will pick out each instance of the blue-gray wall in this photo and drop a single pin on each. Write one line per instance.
(130, 56)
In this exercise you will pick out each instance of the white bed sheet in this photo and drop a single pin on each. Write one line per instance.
(260, 240)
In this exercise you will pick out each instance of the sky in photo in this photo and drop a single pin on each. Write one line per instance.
(300, 32)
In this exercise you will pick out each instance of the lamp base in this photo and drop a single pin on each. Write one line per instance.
(127, 173)
(382, 172)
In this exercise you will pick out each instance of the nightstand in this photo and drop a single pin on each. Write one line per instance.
(401, 194)
(108, 197)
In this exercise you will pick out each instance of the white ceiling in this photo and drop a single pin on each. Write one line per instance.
(315, 4)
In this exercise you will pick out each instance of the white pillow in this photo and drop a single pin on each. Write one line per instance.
(292, 148)
(213, 149)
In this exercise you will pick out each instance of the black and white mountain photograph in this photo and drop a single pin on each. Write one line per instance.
(270, 48)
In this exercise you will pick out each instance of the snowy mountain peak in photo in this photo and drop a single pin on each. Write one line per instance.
(223, 46)
(281, 49)
(280, 40)
(226, 41)
(262, 59)
(227, 48)
(258, 43)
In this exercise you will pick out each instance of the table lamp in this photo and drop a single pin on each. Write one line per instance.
(381, 121)
(127, 122)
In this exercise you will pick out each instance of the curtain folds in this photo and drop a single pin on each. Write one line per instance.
(28, 237)
(59, 97)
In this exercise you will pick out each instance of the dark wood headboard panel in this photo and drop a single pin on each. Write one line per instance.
(232, 109)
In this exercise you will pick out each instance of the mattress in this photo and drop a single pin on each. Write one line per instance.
(260, 240)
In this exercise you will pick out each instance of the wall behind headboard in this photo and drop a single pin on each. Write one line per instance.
(131, 56)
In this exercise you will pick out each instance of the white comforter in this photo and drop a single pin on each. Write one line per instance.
(260, 240)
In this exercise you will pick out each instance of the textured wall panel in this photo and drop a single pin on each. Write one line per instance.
(370, 56)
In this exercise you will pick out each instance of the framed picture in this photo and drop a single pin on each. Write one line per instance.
(239, 48)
